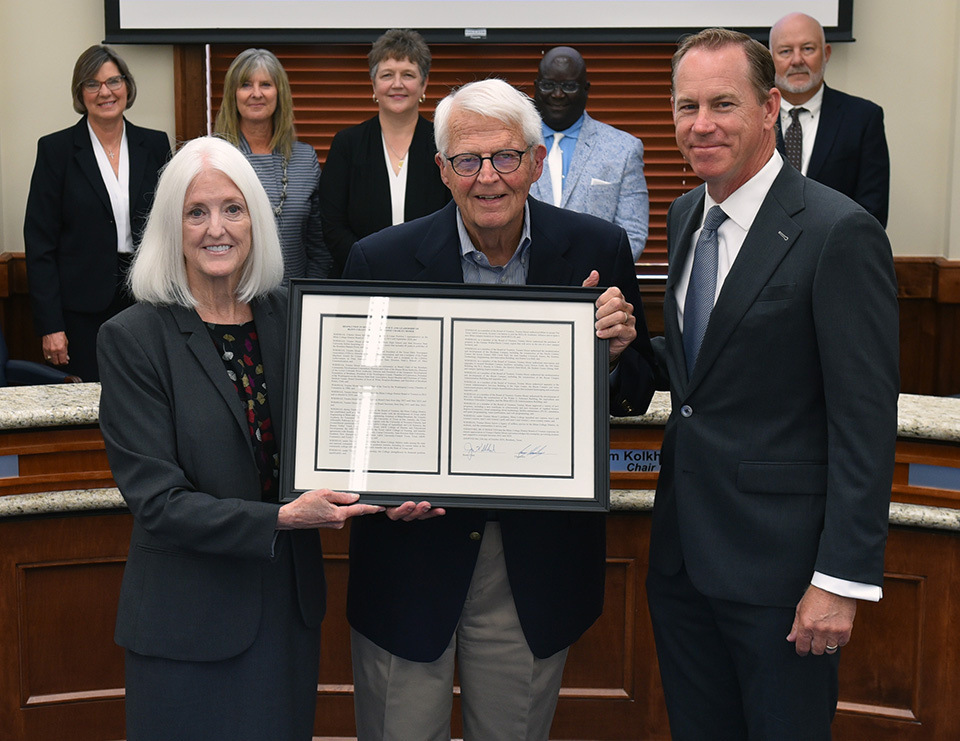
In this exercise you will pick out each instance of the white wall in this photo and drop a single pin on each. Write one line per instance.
(40, 41)
(906, 58)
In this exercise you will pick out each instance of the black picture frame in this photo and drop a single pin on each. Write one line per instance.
(479, 22)
(462, 395)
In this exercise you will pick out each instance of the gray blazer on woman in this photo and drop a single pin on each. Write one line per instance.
(180, 452)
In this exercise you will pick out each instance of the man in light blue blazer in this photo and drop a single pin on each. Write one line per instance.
(600, 168)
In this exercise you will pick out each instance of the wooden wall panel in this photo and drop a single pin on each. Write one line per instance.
(335, 691)
(66, 614)
(15, 312)
(929, 295)
(895, 627)
(61, 674)
(898, 676)
(629, 89)
(55, 460)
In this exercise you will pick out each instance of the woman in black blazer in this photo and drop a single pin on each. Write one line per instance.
(382, 172)
(90, 194)
(223, 591)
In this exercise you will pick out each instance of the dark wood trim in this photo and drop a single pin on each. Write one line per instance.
(189, 85)
(60, 580)
(928, 290)
(59, 668)
(929, 294)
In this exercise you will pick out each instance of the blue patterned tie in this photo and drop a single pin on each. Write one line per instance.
(702, 288)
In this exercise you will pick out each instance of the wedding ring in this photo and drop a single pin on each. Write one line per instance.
(831, 649)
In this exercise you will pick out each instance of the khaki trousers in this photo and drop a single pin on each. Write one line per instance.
(506, 692)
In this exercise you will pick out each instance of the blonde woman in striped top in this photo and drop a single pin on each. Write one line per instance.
(256, 116)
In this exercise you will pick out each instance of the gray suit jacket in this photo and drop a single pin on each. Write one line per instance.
(180, 452)
(605, 180)
(777, 459)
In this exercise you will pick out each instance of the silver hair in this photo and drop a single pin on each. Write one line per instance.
(492, 98)
(159, 274)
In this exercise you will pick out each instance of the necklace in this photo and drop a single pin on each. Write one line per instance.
(111, 153)
(278, 209)
(400, 157)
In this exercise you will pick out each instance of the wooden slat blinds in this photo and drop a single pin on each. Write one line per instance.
(629, 89)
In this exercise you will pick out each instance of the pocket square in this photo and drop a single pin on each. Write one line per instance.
(598, 181)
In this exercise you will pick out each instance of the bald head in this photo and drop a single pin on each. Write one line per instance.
(561, 67)
(797, 23)
(569, 57)
(800, 54)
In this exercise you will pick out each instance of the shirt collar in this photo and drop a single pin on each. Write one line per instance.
(812, 106)
(572, 132)
(744, 203)
(468, 250)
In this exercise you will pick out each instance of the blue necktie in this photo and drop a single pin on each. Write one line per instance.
(702, 288)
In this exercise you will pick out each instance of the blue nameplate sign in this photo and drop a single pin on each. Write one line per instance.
(635, 461)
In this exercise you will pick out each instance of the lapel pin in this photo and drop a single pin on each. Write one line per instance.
(784, 236)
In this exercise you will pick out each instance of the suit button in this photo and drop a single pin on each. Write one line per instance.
(474, 535)
(686, 411)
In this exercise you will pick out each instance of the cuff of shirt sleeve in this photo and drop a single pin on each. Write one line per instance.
(844, 588)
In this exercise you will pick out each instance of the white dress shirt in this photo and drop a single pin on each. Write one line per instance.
(398, 185)
(118, 187)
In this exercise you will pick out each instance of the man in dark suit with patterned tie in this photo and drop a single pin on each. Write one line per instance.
(780, 350)
(838, 138)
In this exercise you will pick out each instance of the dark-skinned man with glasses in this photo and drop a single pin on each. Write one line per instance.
(504, 593)
(590, 167)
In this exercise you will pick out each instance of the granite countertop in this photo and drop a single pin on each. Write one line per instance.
(51, 405)
(920, 417)
(621, 500)
(61, 405)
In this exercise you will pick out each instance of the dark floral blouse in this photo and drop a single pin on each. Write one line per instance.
(239, 350)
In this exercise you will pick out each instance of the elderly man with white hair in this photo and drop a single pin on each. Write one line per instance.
(505, 593)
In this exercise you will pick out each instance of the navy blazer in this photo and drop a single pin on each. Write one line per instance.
(179, 448)
(355, 191)
(408, 580)
(850, 151)
(777, 458)
(69, 232)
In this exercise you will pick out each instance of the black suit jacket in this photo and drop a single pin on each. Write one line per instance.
(69, 232)
(355, 191)
(408, 580)
(850, 151)
(777, 458)
(179, 447)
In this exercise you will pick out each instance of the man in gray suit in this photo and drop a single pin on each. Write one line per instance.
(781, 351)
(591, 167)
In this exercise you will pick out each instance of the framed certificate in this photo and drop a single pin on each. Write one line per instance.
(460, 395)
